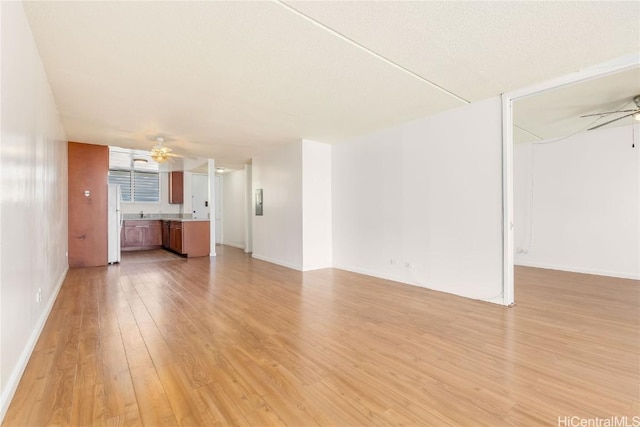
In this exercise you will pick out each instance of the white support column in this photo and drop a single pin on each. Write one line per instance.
(248, 210)
(212, 207)
(507, 201)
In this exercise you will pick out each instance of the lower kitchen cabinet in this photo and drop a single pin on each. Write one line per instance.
(132, 236)
(190, 238)
(166, 241)
(153, 236)
(141, 235)
(175, 236)
(195, 238)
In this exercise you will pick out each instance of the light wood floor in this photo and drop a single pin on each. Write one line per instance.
(236, 341)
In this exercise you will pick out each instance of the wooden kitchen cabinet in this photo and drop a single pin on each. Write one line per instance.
(132, 235)
(166, 240)
(141, 235)
(153, 236)
(190, 238)
(196, 238)
(176, 188)
(175, 236)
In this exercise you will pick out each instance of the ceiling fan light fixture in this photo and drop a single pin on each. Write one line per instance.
(637, 116)
(159, 158)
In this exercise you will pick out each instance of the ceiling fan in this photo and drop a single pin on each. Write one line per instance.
(634, 112)
(160, 153)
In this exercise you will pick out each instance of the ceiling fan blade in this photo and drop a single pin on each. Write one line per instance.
(614, 120)
(607, 112)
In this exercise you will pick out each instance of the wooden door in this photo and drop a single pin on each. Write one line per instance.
(87, 189)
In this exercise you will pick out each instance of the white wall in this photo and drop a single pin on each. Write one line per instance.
(33, 195)
(421, 203)
(295, 229)
(577, 203)
(316, 205)
(187, 188)
(233, 211)
(277, 235)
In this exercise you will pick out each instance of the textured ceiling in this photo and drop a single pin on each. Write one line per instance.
(229, 79)
(481, 49)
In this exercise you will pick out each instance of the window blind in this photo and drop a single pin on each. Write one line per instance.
(139, 181)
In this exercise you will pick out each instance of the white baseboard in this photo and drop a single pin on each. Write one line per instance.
(16, 375)
(577, 269)
(234, 245)
(498, 299)
(371, 273)
(276, 261)
(318, 266)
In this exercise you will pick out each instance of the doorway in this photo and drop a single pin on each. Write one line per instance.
(200, 196)
(508, 99)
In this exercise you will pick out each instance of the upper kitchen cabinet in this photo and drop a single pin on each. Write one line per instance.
(176, 187)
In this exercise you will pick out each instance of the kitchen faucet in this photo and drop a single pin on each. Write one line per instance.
(141, 214)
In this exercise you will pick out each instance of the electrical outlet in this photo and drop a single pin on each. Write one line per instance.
(393, 261)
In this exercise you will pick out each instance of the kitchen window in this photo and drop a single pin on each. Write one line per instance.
(137, 175)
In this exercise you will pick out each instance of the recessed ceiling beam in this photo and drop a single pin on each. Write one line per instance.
(369, 51)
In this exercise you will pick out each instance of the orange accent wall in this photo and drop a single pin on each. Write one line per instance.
(88, 170)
